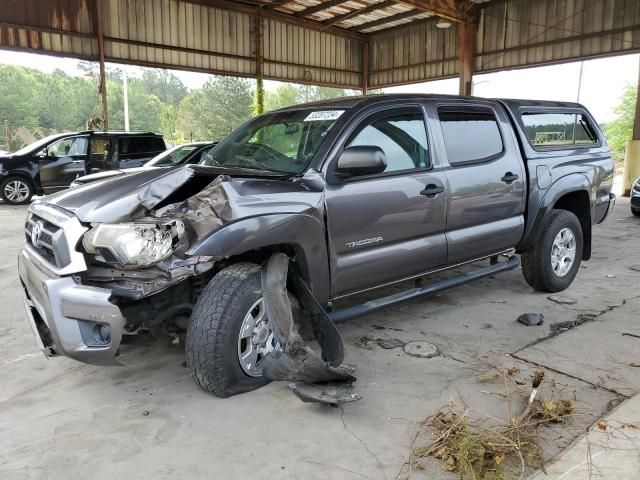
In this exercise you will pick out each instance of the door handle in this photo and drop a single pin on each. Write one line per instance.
(509, 177)
(431, 190)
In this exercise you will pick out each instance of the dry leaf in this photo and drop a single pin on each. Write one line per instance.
(500, 458)
(513, 370)
(602, 426)
(488, 378)
(449, 464)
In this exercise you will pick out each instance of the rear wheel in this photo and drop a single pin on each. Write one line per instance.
(16, 190)
(552, 264)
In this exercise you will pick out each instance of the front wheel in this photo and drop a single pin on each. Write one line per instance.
(229, 333)
(16, 190)
(553, 262)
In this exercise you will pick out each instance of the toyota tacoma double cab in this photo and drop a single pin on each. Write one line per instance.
(244, 254)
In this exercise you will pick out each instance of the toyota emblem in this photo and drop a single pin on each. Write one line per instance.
(35, 233)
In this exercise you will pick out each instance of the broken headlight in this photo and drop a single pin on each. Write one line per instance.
(134, 244)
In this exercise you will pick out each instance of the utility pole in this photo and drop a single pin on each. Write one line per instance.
(125, 89)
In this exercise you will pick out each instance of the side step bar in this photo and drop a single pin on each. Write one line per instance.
(348, 313)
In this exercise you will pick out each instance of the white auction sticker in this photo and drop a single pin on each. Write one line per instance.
(323, 115)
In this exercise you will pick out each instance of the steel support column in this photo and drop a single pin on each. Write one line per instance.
(258, 108)
(466, 55)
(365, 68)
(632, 153)
(102, 84)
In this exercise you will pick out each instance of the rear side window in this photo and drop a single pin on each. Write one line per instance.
(470, 135)
(133, 145)
(558, 129)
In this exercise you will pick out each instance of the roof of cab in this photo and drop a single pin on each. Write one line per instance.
(361, 100)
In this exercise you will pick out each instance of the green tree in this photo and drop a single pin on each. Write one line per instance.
(619, 131)
(284, 95)
(163, 84)
(17, 85)
(212, 112)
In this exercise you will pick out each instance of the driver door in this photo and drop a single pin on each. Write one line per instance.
(62, 162)
(388, 226)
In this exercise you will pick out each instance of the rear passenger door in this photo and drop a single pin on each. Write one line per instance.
(486, 180)
(387, 226)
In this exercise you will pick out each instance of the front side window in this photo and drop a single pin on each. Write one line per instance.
(68, 147)
(558, 129)
(402, 137)
(470, 134)
(282, 142)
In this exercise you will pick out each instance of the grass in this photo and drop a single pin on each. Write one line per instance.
(497, 450)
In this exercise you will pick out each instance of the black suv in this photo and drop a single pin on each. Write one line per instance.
(51, 164)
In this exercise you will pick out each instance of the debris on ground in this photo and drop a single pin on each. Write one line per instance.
(560, 327)
(611, 275)
(421, 349)
(531, 319)
(492, 377)
(146, 413)
(389, 343)
(494, 449)
(635, 268)
(363, 342)
(562, 300)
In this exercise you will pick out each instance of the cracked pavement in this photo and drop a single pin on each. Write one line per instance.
(61, 419)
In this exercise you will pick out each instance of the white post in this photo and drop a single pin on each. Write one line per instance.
(126, 101)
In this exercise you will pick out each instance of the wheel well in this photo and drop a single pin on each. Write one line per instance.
(579, 204)
(22, 175)
(260, 255)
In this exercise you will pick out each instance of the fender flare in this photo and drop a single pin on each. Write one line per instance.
(573, 182)
(304, 232)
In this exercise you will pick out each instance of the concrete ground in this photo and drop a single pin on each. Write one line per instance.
(64, 420)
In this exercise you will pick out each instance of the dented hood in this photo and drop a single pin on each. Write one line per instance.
(244, 192)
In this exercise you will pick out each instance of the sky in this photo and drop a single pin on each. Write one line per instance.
(602, 80)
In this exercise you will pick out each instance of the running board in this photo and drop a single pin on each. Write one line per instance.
(339, 316)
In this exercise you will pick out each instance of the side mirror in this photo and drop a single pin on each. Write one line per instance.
(361, 160)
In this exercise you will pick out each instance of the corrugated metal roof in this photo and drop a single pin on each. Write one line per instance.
(321, 42)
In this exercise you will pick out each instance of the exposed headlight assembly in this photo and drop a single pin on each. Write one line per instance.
(134, 244)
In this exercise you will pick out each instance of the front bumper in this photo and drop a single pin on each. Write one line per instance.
(68, 318)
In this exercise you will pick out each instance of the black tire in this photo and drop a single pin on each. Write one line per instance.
(23, 183)
(214, 329)
(536, 262)
(635, 212)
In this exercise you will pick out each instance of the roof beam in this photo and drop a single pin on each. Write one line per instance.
(386, 20)
(361, 11)
(320, 7)
(461, 11)
(235, 6)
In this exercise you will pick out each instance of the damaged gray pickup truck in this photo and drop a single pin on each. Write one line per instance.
(245, 254)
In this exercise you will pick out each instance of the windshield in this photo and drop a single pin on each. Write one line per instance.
(37, 145)
(278, 142)
(173, 156)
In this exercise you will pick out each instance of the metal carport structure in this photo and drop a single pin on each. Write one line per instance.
(357, 44)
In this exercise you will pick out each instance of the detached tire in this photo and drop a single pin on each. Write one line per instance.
(552, 264)
(16, 190)
(214, 345)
